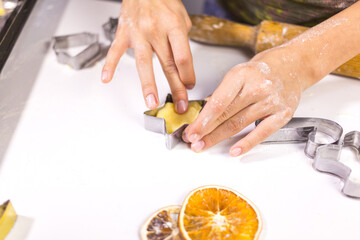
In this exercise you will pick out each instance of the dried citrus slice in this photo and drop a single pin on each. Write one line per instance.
(162, 225)
(215, 213)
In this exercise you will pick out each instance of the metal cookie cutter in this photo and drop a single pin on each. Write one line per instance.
(327, 160)
(86, 57)
(314, 131)
(110, 28)
(323, 144)
(155, 124)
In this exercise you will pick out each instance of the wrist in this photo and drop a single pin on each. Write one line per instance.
(291, 62)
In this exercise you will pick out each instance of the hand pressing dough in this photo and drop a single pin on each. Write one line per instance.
(173, 120)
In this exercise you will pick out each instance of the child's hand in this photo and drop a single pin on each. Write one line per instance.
(268, 87)
(159, 26)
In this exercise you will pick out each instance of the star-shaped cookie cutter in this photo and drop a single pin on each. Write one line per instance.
(155, 124)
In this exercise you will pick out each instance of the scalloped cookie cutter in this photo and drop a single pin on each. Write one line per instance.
(314, 131)
(325, 150)
(155, 124)
(327, 159)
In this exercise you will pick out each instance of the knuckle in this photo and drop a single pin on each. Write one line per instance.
(216, 105)
(211, 139)
(141, 59)
(287, 115)
(169, 66)
(178, 92)
(146, 87)
(233, 125)
(223, 117)
(182, 60)
(261, 90)
(147, 26)
(245, 145)
(175, 20)
(189, 80)
(266, 132)
(273, 99)
(107, 67)
(260, 135)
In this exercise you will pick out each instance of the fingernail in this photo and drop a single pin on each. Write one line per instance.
(184, 137)
(235, 152)
(104, 76)
(194, 138)
(150, 101)
(197, 146)
(190, 86)
(181, 106)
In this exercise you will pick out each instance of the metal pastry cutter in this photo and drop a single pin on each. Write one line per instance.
(314, 131)
(155, 124)
(327, 159)
(86, 57)
(323, 144)
(110, 28)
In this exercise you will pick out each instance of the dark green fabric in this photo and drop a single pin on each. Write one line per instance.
(304, 12)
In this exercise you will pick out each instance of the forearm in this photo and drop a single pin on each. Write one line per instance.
(328, 45)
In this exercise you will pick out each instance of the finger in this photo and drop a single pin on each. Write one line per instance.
(216, 106)
(144, 65)
(229, 128)
(178, 90)
(116, 50)
(265, 129)
(183, 58)
(240, 102)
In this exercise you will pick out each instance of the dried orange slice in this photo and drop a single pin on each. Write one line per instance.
(162, 225)
(215, 213)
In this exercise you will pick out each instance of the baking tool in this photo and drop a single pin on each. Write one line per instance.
(155, 124)
(352, 139)
(109, 28)
(91, 52)
(327, 159)
(266, 35)
(323, 144)
(7, 219)
(314, 131)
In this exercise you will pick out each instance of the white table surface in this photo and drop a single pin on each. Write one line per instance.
(81, 165)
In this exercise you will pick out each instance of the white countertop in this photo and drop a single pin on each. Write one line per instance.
(80, 164)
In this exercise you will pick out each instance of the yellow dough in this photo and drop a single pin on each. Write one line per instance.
(7, 219)
(173, 120)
